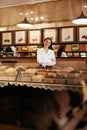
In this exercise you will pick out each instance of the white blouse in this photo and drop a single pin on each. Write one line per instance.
(63, 54)
(44, 58)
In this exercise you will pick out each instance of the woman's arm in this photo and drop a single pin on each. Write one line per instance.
(42, 58)
(53, 59)
(46, 59)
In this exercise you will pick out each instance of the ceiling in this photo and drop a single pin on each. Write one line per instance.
(51, 10)
(9, 3)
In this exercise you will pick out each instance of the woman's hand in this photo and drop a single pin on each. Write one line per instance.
(53, 60)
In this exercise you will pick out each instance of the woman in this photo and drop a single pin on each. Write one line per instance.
(61, 51)
(45, 55)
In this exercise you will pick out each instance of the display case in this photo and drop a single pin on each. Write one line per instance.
(32, 74)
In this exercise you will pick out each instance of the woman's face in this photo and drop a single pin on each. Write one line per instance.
(47, 43)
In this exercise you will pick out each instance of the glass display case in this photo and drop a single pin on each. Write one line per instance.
(48, 78)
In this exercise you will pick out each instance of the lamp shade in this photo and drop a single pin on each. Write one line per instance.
(80, 20)
(24, 24)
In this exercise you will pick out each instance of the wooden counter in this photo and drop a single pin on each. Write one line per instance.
(26, 59)
(77, 63)
(40, 105)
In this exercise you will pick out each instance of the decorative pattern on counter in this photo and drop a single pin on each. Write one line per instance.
(47, 86)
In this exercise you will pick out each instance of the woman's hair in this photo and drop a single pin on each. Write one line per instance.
(8, 49)
(48, 38)
(61, 49)
(1, 49)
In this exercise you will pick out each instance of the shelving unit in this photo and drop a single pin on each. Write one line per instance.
(28, 41)
(28, 51)
(79, 51)
(77, 54)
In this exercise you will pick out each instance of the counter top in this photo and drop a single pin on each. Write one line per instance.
(76, 63)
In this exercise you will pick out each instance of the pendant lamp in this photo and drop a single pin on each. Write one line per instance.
(80, 20)
(24, 24)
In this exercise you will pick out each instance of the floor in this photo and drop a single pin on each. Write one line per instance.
(9, 127)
